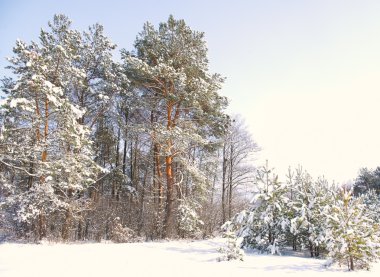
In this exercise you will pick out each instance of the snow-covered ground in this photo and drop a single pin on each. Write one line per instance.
(174, 258)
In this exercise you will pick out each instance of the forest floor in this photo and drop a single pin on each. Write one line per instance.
(172, 258)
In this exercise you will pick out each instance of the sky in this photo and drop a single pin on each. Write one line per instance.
(305, 75)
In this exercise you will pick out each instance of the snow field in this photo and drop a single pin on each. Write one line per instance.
(174, 258)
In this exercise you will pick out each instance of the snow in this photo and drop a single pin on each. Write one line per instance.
(174, 258)
(14, 102)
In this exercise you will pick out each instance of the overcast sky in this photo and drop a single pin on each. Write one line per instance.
(304, 74)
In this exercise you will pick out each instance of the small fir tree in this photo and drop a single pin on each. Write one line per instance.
(352, 237)
(263, 225)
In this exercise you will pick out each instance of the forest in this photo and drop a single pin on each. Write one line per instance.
(90, 144)
(95, 147)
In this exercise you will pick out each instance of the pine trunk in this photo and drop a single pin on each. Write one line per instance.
(169, 215)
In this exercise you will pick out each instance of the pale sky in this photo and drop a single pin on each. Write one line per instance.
(305, 75)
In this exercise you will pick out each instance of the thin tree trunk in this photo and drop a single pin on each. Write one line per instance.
(80, 230)
(224, 173)
(142, 199)
(125, 142)
(135, 168)
(295, 243)
(124, 155)
(230, 182)
(159, 175)
(115, 186)
(131, 164)
(311, 248)
(46, 129)
(66, 225)
(41, 225)
(30, 177)
(351, 259)
(117, 148)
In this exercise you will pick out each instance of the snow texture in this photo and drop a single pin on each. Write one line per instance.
(175, 258)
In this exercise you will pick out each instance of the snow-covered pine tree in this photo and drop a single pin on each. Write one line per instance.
(170, 72)
(189, 222)
(264, 224)
(352, 237)
(309, 201)
(102, 81)
(372, 201)
(232, 250)
(46, 151)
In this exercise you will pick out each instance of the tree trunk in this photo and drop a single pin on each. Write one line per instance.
(46, 129)
(169, 215)
(352, 267)
(66, 225)
(125, 143)
(41, 225)
(158, 177)
(115, 186)
(80, 230)
(142, 199)
(351, 258)
(230, 182)
(224, 173)
(30, 177)
(311, 248)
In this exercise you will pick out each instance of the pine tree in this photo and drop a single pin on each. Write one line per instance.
(47, 152)
(189, 222)
(263, 225)
(232, 250)
(309, 201)
(170, 72)
(352, 237)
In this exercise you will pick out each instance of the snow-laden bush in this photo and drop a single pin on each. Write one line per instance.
(263, 225)
(311, 214)
(308, 200)
(189, 222)
(232, 249)
(372, 201)
(352, 236)
(121, 234)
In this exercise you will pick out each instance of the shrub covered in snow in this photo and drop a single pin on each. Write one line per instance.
(189, 221)
(351, 235)
(311, 213)
(232, 249)
(263, 225)
(309, 201)
(121, 234)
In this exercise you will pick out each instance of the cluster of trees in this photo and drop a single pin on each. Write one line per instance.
(310, 214)
(367, 180)
(93, 148)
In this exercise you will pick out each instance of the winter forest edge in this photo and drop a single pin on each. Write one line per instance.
(140, 149)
